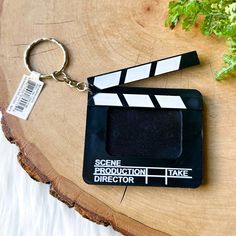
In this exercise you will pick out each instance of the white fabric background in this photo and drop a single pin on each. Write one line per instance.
(27, 208)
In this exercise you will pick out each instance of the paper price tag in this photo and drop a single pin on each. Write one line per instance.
(26, 96)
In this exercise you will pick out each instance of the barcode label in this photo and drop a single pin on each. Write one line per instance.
(25, 97)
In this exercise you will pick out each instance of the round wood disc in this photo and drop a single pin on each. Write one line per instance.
(103, 36)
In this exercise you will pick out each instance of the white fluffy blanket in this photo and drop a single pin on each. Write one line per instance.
(27, 208)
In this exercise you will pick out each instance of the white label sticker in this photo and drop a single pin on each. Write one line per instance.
(26, 95)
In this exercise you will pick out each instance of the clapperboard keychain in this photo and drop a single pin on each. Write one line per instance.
(134, 136)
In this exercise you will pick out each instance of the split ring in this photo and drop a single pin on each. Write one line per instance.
(36, 43)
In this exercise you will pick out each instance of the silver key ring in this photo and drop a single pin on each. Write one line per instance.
(37, 42)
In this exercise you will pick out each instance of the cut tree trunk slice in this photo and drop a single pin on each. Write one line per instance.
(102, 36)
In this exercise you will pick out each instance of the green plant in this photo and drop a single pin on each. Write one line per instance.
(219, 18)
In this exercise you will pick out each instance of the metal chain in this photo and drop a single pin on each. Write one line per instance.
(61, 76)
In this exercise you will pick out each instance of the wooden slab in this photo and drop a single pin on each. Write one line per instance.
(102, 36)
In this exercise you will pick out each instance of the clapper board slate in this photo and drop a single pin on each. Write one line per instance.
(143, 136)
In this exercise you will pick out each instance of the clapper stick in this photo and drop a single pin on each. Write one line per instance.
(144, 71)
(140, 72)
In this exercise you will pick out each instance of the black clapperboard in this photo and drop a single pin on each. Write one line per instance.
(144, 136)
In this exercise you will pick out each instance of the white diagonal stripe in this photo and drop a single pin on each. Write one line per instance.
(107, 99)
(168, 101)
(138, 73)
(138, 100)
(108, 80)
(167, 65)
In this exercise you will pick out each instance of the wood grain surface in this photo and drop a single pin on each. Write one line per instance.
(102, 36)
